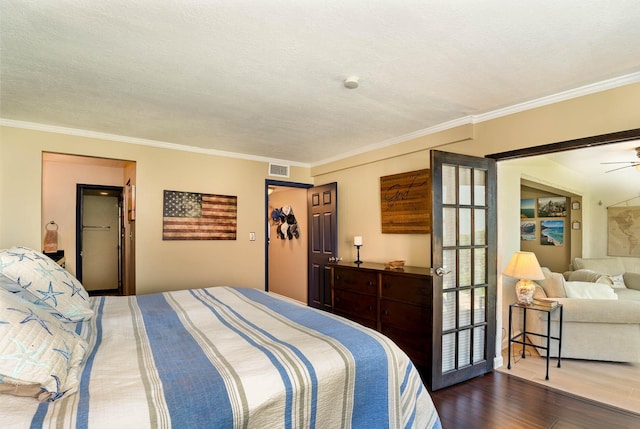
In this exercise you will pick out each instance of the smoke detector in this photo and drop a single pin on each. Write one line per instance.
(351, 82)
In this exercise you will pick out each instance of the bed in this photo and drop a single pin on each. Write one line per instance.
(218, 357)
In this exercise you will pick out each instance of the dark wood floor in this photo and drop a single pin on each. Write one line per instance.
(498, 400)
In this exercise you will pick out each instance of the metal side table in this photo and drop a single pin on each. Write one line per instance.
(521, 337)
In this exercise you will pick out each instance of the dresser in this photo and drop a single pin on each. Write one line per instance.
(397, 303)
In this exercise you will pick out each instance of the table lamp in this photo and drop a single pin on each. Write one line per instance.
(524, 266)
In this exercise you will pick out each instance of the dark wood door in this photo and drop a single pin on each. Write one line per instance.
(463, 257)
(322, 203)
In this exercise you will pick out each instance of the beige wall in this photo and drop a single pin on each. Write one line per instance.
(556, 258)
(160, 265)
(358, 213)
(172, 265)
(288, 258)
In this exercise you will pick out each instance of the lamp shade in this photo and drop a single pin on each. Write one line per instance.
(524, 265)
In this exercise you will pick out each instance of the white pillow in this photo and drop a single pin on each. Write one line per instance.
(618, 281)
(586, 290)
(40, 355)
(46, 282)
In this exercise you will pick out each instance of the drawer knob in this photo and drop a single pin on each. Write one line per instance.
(370, 283)
(370, 308)
(386, 312)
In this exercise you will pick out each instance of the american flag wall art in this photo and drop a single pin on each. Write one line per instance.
(194, 216)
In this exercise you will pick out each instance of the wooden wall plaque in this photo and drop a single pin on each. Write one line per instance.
(405, 202)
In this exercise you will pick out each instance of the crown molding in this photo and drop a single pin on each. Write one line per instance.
(476, 119)
(143, 142)
(561, 96)
(473, 119)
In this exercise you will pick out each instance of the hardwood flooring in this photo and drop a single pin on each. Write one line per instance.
(497, 400)
(614, 383)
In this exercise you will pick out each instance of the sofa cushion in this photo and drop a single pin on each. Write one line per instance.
(611, 266)
(587, 290)
(553, 284)
(627, 294)
(611, 311)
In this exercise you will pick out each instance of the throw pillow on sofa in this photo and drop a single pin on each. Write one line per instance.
(553, 284)
(613, 267)
(583, 275)
(618, 281)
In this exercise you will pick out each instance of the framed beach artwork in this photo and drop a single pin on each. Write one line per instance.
(527, 230)
(552, 207)
(552, 232)
(527, 208)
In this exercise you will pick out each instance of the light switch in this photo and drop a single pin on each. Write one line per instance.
(252, 236)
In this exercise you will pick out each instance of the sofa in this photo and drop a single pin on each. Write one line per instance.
(601, 319)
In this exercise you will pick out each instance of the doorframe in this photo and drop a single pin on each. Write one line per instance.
(267, 184)
(598, 140)
(544, 149)
(80, 188)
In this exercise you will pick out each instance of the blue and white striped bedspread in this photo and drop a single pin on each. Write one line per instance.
(226, 357)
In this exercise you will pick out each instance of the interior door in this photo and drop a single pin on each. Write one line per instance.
(463, 255)
(322, 203)
(99, 238)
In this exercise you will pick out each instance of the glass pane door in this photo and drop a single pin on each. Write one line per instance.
(463, 246)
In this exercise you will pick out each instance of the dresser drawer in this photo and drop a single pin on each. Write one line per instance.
(356, 280)
(364, 322)
(355, 304)
(416, 290)
(410, 318)
(417, 347)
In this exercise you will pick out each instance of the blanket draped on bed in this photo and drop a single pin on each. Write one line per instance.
(231, 358)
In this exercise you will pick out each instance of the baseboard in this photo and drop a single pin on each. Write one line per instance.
(498, 362)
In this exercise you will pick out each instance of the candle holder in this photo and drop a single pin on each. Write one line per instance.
(358, 261)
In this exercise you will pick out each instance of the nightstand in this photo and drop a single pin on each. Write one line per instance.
(521, 337)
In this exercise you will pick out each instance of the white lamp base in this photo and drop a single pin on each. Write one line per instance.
(524, 292)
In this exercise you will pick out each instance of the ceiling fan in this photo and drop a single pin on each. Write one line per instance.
(629, 163)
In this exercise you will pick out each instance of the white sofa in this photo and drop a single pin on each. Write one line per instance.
(593, 328)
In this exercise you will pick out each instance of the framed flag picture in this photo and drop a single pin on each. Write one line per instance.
(194, 216)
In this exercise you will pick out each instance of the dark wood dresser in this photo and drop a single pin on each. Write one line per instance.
(397, 303)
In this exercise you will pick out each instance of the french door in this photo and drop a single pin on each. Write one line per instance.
(463, 255)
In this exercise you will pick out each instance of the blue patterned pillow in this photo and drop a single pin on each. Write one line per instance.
(44, 282)
(39, 355)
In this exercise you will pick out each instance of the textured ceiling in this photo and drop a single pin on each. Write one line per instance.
(264, 78)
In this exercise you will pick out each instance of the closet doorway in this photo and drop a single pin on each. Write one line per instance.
(286, 239)
(100, 235)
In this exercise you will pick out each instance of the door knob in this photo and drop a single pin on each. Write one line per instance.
(441, 272)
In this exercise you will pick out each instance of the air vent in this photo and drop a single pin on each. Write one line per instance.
(278, 170)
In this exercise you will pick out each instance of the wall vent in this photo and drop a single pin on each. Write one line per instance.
(278, 170)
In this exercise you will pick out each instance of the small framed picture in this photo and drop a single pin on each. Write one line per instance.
(575, 205)
(552, 207)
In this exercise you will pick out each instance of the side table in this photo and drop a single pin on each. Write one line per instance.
(520, 338)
